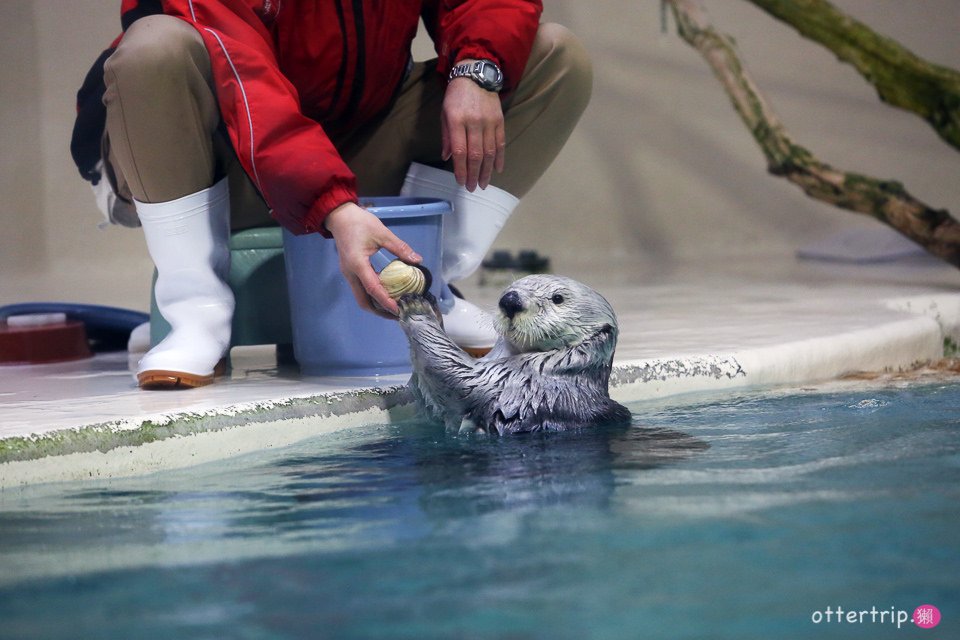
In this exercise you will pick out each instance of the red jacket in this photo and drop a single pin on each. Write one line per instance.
(287, 71)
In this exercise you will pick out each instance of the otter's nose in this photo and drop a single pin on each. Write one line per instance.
(510, 303)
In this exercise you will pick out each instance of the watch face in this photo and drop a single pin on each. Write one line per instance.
(491, 77)
(483, 72)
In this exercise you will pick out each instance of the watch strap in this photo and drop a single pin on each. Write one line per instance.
(485, 73)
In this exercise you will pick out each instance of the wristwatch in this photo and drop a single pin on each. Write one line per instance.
(484, 72)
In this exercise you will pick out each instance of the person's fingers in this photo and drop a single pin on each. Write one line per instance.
(369, 291)
(374, 288)
(489, 157)
(445, 151)
(457, 141)
(500, 140)
(399, 248)
(475, 156)
(371, 281)
(363, 300)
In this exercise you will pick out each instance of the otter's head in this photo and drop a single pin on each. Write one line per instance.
(545, 312)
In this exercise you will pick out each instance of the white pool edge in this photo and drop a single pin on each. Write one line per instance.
(233, 430)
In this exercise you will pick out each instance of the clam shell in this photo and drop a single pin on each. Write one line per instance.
(399, 278)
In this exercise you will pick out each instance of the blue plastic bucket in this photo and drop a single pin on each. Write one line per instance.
(332, 336)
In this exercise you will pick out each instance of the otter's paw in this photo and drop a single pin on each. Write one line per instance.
(414, 305)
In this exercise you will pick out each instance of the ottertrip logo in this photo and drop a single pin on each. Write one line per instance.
(926, 616)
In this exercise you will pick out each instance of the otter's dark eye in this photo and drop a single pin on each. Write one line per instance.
(557, 298)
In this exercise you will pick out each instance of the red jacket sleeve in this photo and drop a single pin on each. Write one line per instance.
(287, 155)
(500, 30)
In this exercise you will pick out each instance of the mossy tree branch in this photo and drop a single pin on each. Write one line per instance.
(901, 78)
(885, 200)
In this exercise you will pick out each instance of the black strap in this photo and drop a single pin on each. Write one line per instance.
(91, 121)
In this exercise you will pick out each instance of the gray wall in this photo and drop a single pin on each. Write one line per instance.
(659, 174)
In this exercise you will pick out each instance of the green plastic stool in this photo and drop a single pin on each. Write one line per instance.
(259, 282)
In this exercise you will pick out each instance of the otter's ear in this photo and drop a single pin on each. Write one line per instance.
(608, 334)
(605, 334)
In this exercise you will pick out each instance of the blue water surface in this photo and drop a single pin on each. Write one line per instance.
(726, 517)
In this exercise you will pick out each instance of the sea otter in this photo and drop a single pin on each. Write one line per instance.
(549, 370)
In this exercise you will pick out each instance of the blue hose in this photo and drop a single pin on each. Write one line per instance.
(108, 328)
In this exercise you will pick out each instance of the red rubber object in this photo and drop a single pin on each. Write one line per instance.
(59, 342)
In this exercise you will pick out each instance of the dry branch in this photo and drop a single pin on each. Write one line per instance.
(901, 78)
(885, 200)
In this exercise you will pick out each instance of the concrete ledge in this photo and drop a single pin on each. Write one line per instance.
(88, 420)
(895, 346)
(177, 440)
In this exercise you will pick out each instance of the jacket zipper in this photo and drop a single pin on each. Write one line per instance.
(342, 72)
(359, 75)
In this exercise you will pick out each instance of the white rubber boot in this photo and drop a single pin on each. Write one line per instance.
(468, 233)
(188, 239)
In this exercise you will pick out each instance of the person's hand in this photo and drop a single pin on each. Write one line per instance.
(359, 234)
(472, 132)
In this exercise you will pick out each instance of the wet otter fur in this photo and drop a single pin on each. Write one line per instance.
(549, 370)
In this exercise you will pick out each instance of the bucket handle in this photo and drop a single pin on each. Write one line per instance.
(381, 259)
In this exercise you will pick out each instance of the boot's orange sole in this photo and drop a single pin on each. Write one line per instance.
(160, 379)
(476, 352)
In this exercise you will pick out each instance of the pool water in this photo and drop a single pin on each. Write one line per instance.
(723, 517)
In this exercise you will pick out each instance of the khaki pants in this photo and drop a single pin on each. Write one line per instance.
(164, 138)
